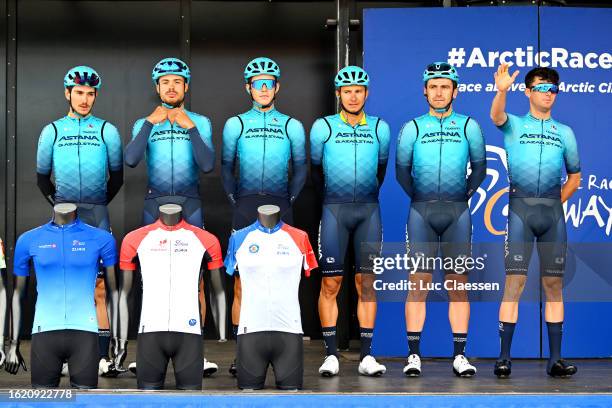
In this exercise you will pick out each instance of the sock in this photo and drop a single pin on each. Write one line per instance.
(459, 342)
(506, 330)
(103, 342)
(414, 343)
(555, 332)
(235, 331)
(365, 336)
(329, 338)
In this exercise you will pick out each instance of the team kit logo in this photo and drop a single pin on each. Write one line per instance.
(253, 248)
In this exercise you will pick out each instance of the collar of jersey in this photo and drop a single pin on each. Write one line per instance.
(531, 117)
(362, 122)
(443, 119)
(85, 119)
(163, 226)
(260, 113)
(53, 226)
(268, 230)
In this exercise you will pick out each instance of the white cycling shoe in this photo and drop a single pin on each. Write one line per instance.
(209, 368)
(369, 366)
(462, 367)
(330, 366)
(413, 366)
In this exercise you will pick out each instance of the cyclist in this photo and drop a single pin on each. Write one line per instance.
(349, 153)
(84, 154)
(537, 147)
(261, 144)
(432, 157)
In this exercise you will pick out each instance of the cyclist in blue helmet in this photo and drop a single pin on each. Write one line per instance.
(261, 144)
(432, 158)
(85, 155)
(177, 144)
(349, 153)
(538, 149)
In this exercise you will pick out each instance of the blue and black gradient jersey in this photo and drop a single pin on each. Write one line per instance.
(80, 152)
(353, 159)
(537, 150)
(433, 154)
(172, 166)
(66, 259)
(261, 145)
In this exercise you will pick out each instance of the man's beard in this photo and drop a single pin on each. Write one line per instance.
(173, 104)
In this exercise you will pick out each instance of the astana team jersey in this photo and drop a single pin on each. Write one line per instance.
(270, 261)
(537, 150)
(66, 260)
(170, 259)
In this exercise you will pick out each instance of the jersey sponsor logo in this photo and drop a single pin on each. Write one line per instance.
(263, 129)
(537, 138)
(353, 137)
(77, 137)
(192, 322)
(47, 246)
(253, 248)
(179, 242)
(161, 246)
(282, 250)
(78, 246)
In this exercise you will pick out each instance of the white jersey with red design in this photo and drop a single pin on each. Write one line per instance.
(170, 261)
(270, 262)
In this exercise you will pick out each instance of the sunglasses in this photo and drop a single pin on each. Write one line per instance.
(546, 88)
(441, 67)
(259, 84)
(84, 78)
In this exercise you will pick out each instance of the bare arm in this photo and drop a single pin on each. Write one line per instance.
(570, 186)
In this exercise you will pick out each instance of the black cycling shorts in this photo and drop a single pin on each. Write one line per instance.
(541, 219)
(51, 349)
(285, 351)
(156, 349)
(338, 223)
(443, 226)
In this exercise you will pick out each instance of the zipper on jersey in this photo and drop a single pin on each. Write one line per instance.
(540, 161)
(172, 158)
(79, 159)
(355, 164)
(263, 164)
(440, 155)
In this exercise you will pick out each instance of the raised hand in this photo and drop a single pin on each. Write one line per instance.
(503, 79)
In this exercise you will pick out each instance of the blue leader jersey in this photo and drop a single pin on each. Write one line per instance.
(536, 151)
(66, 262)
(437, 151)
(171, 164)
(350, 156)
(80, 152)
(261, 144)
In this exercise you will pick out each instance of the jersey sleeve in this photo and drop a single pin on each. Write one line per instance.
(44, 154)
(297, 137)
(405, 144)
(570, 153)
(230, 258)
(310, 260)
(129, 249)
(476, 141)
(319, 133)
(2, 258)
(114, 148)
(213, 257)
(231, 133)
(509, 123)
(22, 256)
(108, 249)
(384, 137)
(205, 128)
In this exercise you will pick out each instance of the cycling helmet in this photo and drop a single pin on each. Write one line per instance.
(259, 66)
(170, 66)
(440, 70)
(351, 75)
(82, 75)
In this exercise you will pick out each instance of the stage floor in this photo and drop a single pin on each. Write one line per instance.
(528, 376)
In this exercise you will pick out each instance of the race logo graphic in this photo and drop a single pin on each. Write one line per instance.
(253, 248)
(488, 198)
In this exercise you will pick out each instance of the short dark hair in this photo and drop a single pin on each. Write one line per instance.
(546, 74)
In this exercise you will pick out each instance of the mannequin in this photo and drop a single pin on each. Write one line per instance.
(170, 215)
(64, 214)
(269, 215)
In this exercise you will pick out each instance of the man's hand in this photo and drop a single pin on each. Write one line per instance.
(178, 116)
(159, 115)
(14, 359)
(503, 79)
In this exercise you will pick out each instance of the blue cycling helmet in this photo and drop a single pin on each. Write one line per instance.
(441, 70)
(259, 66)
(170, 66)
(351, 75)
(82, 75)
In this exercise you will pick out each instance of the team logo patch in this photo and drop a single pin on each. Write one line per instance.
(192, 322)
(46, 246)
(253, 248)
(78, 246)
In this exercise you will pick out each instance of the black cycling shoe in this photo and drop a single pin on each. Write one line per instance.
(503, 368)
(233, 370)
(561, 369)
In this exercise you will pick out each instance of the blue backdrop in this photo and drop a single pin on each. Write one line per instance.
(398, 44)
